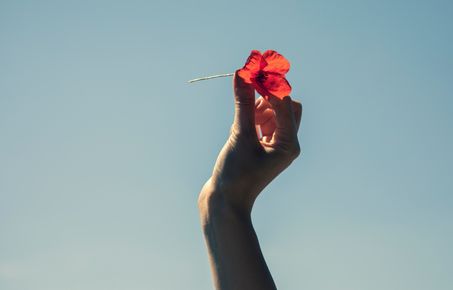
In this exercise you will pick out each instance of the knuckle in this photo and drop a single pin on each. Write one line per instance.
(295, 151)
(289, 151)
(297, 106)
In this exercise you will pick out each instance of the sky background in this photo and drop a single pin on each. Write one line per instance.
(104, 146)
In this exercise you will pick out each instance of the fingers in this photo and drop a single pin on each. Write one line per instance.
(285, 117)
(264, 111)
(265, 118)
(297, 109)
(263, 115)
(244, 117)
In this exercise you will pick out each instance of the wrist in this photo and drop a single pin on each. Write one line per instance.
(215, 205)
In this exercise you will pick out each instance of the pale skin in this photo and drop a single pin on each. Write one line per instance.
(244, 167)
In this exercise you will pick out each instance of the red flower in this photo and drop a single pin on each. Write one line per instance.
(266, 72)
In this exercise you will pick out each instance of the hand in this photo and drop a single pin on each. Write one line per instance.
(246, 164)
(244, 167)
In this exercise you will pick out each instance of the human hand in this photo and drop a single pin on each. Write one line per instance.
(247, 163)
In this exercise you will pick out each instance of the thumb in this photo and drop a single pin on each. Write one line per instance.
(244, 113)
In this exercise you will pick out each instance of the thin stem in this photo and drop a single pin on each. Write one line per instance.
(211, 77)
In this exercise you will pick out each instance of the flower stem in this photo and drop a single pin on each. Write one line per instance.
(211, 77)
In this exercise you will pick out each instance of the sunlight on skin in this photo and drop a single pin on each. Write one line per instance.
(244, 167)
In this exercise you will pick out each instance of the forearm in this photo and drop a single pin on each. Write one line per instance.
(233, 248)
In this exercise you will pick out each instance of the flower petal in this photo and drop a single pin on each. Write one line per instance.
(261, 90)
(253, 62)
(246, 75)
(276, 85)
(276, 62)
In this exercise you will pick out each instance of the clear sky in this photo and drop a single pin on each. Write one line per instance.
(104, 146)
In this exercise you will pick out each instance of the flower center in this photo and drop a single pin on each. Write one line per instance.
(261, 77)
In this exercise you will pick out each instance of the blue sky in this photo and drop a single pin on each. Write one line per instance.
(104, 146)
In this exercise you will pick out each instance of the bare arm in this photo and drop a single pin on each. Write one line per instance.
(244, 167)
